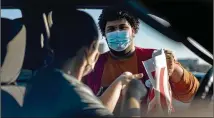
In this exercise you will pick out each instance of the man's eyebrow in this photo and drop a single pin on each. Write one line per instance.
(122, 25)
(110, 26)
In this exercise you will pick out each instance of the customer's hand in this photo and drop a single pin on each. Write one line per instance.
(126, 77)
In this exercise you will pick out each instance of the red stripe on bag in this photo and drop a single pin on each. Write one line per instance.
(151, 94)
(162, 92)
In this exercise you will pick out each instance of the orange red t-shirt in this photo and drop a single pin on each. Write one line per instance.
(114, 68)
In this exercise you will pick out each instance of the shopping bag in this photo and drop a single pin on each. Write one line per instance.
(160, 95)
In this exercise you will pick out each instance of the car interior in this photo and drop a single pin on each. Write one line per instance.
(21, 47)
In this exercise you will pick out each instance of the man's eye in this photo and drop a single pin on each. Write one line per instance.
(111, 29)
(123, 28)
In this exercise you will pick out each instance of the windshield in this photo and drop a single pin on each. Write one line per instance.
(147, 37)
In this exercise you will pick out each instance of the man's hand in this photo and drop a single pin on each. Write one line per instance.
(170, 59)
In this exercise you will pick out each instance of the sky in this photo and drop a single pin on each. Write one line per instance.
(147, 37)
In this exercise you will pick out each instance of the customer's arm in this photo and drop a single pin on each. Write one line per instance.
(111, 95)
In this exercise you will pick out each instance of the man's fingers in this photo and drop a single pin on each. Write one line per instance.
(169, 56)
(127, 73)
(137, 76)
(168, 51)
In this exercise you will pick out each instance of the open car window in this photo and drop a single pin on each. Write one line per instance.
(147, 37)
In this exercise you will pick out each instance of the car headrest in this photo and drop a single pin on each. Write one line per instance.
(13, 49)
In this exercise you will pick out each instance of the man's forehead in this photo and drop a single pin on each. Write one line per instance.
(117, 22)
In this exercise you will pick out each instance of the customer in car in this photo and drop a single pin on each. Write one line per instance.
(57, 91)
(119, 27)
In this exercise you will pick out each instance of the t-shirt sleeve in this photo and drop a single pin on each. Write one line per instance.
(186, 88)
(90, 105)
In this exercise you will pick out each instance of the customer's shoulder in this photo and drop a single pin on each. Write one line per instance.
(77, 85)
(71, 79)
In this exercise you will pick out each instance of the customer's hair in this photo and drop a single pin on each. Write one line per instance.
(117, 13)
(71, 31)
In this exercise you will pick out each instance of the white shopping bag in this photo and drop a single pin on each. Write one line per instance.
(160, 97)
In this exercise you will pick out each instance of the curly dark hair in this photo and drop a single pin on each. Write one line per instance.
(117, 13)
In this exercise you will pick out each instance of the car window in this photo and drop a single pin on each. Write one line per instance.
(148, 37)
(11, 13)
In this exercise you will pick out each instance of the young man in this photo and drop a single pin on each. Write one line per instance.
(120, 27)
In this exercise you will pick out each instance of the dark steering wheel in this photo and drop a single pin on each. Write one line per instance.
(205, 91)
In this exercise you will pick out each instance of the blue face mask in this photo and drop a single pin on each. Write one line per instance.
(118, 40)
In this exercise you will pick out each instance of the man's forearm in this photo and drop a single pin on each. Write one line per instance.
(111, 96)
(183, 83)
